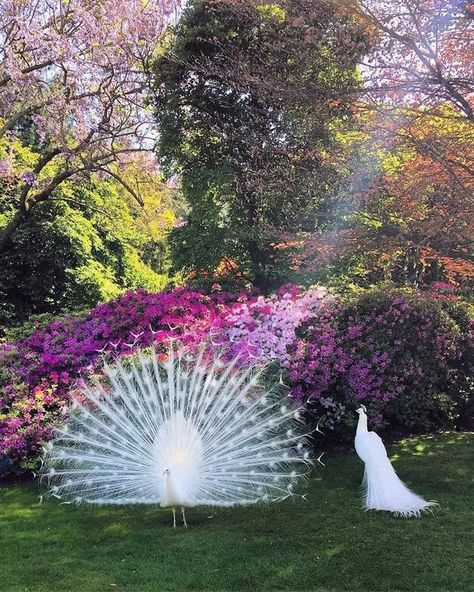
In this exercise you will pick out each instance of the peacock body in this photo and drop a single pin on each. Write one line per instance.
(189, 430)
(383, 489)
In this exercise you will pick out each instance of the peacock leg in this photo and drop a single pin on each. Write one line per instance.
(185, 524)
(174, 517)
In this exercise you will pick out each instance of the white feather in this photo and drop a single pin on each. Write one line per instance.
(382, 488)
(188, 431)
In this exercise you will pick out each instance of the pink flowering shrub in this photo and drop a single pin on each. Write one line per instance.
(39, 373)
(408, 358)
(262, 329)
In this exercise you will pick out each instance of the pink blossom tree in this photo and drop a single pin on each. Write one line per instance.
(76, 70)
(424, 54)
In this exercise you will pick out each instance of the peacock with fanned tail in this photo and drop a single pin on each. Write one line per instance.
(189, 430)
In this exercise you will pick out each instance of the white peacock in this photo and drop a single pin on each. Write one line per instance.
(383, 489)
(188, 431)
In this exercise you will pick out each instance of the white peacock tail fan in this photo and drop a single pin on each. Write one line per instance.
(210, 425)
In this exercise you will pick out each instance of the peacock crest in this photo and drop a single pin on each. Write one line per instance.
(190, 429)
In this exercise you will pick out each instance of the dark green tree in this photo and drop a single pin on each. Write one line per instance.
(251, 99)
(75, 250)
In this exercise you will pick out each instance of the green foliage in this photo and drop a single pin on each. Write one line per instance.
(89, 284)
(75, 250)
(347, 274)
(250, 99)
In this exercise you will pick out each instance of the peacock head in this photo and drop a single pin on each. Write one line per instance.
(166, 472)
(362, 409)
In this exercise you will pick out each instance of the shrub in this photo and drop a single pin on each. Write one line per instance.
(407, 357)
(39, 373)
(262, 329)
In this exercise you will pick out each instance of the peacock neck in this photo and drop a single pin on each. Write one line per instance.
(168, 486)
(169, 491)
(362, 424)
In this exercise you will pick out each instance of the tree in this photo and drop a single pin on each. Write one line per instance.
(419, 82)
(69, 256)
(419, 73)
(84, 244)
(406, 211)
(402, 214)
(250, 98)
(424, 55)
(73, 77)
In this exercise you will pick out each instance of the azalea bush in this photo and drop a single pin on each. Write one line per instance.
(407, 357)
(41, 372)
(38, 374)
(262, 329)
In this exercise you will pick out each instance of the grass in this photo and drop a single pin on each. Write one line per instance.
(324, 544)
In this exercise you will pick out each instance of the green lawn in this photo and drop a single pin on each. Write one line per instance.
(324, 544)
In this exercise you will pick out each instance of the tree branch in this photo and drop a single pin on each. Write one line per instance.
(130, 189)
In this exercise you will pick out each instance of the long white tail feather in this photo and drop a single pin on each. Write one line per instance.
(381, 486)
(384, 490)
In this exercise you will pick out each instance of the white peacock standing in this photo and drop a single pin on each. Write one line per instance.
(383, 489)
(180, 433)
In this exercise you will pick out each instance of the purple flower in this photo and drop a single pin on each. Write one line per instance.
(377, 350)
(29, 178)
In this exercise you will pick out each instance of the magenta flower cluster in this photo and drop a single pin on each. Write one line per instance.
(406, 356)
(378, 349)
(39, 374)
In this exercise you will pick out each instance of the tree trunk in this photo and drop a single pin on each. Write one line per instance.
(7, 232)
(257, 255)
(259, 267)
